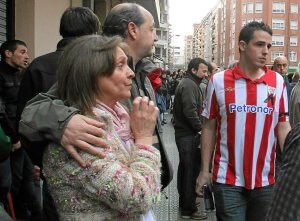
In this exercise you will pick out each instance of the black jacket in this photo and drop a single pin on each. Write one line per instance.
(187, 106)
(38, 78)
(10, 78)
(40, 75)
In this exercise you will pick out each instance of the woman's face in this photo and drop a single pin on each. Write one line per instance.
(117, 86)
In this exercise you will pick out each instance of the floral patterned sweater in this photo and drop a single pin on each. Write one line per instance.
(122, 186)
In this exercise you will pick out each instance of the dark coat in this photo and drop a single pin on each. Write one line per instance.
(187, 106)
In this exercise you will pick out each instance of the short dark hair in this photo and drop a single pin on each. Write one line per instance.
(246, 33)
(209, 67)
(84, 60)
(116, 22)
(194, 64)
(10, 45)
(78, 21)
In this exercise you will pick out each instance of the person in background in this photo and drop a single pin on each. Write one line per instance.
(246, 112)
(14, 59)
(295, 79)
(215, 68)
(188, 124)
(294, 104)
(64, 123)
(162, 94)
(280, 65)
(286, 195)
(124, 184)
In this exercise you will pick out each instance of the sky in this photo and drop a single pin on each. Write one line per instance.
(184, 13)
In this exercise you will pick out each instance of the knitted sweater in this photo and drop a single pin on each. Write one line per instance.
(122, 186)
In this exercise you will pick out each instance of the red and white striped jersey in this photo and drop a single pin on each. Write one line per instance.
(247, 114)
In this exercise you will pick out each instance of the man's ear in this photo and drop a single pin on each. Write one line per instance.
(132, 30)
(242, 45)
(8, 53)
(194, 71)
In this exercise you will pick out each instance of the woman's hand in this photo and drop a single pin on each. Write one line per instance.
(143, 119)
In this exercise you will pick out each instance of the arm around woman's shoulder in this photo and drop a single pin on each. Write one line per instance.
(45, 117)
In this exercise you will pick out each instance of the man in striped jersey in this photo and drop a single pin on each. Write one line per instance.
(246, 111)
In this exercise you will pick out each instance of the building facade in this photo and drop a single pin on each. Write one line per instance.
(37, 21)
(161, 55)
(229, 16)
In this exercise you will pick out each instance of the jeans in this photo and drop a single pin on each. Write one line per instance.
(239, 204)
(188, 170)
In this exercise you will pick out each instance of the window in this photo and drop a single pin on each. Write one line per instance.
(258, 19)
(277, 40)
(275, 54)
(258, 7)
(244, 8)
(164, 52)
(250, 8)
(294, 8)
(293, 41)
(157, 51)
(243, 23)
(165, 35)
(278, 7)
(278, 24)
(293, 56)
(294, 24)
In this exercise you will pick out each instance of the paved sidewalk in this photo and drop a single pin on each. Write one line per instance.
(167, 209)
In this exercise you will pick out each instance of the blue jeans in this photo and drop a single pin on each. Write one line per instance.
(188, 170)
(239, 204)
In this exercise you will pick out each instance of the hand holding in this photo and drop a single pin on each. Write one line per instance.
(143, 119)
(203, 178)
(83, 133)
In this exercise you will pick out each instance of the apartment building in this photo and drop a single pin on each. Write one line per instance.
(228, 17)
(188, 49)
(161, 54)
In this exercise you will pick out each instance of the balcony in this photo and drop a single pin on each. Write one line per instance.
(152, 6)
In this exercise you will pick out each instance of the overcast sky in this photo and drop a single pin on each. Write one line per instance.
(184, 13)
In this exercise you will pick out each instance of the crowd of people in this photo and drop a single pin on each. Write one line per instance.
(88, 126)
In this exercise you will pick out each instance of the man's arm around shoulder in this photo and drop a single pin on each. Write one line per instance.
(45, 117)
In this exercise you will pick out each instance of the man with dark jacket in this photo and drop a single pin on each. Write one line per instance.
(14, 58)
(188, 125)
(65, 125)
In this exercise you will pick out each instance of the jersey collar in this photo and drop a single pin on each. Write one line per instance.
(238, 74)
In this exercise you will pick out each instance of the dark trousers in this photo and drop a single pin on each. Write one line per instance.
(49, 209)
(188, 170)
(5, 179)
(23, 187)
